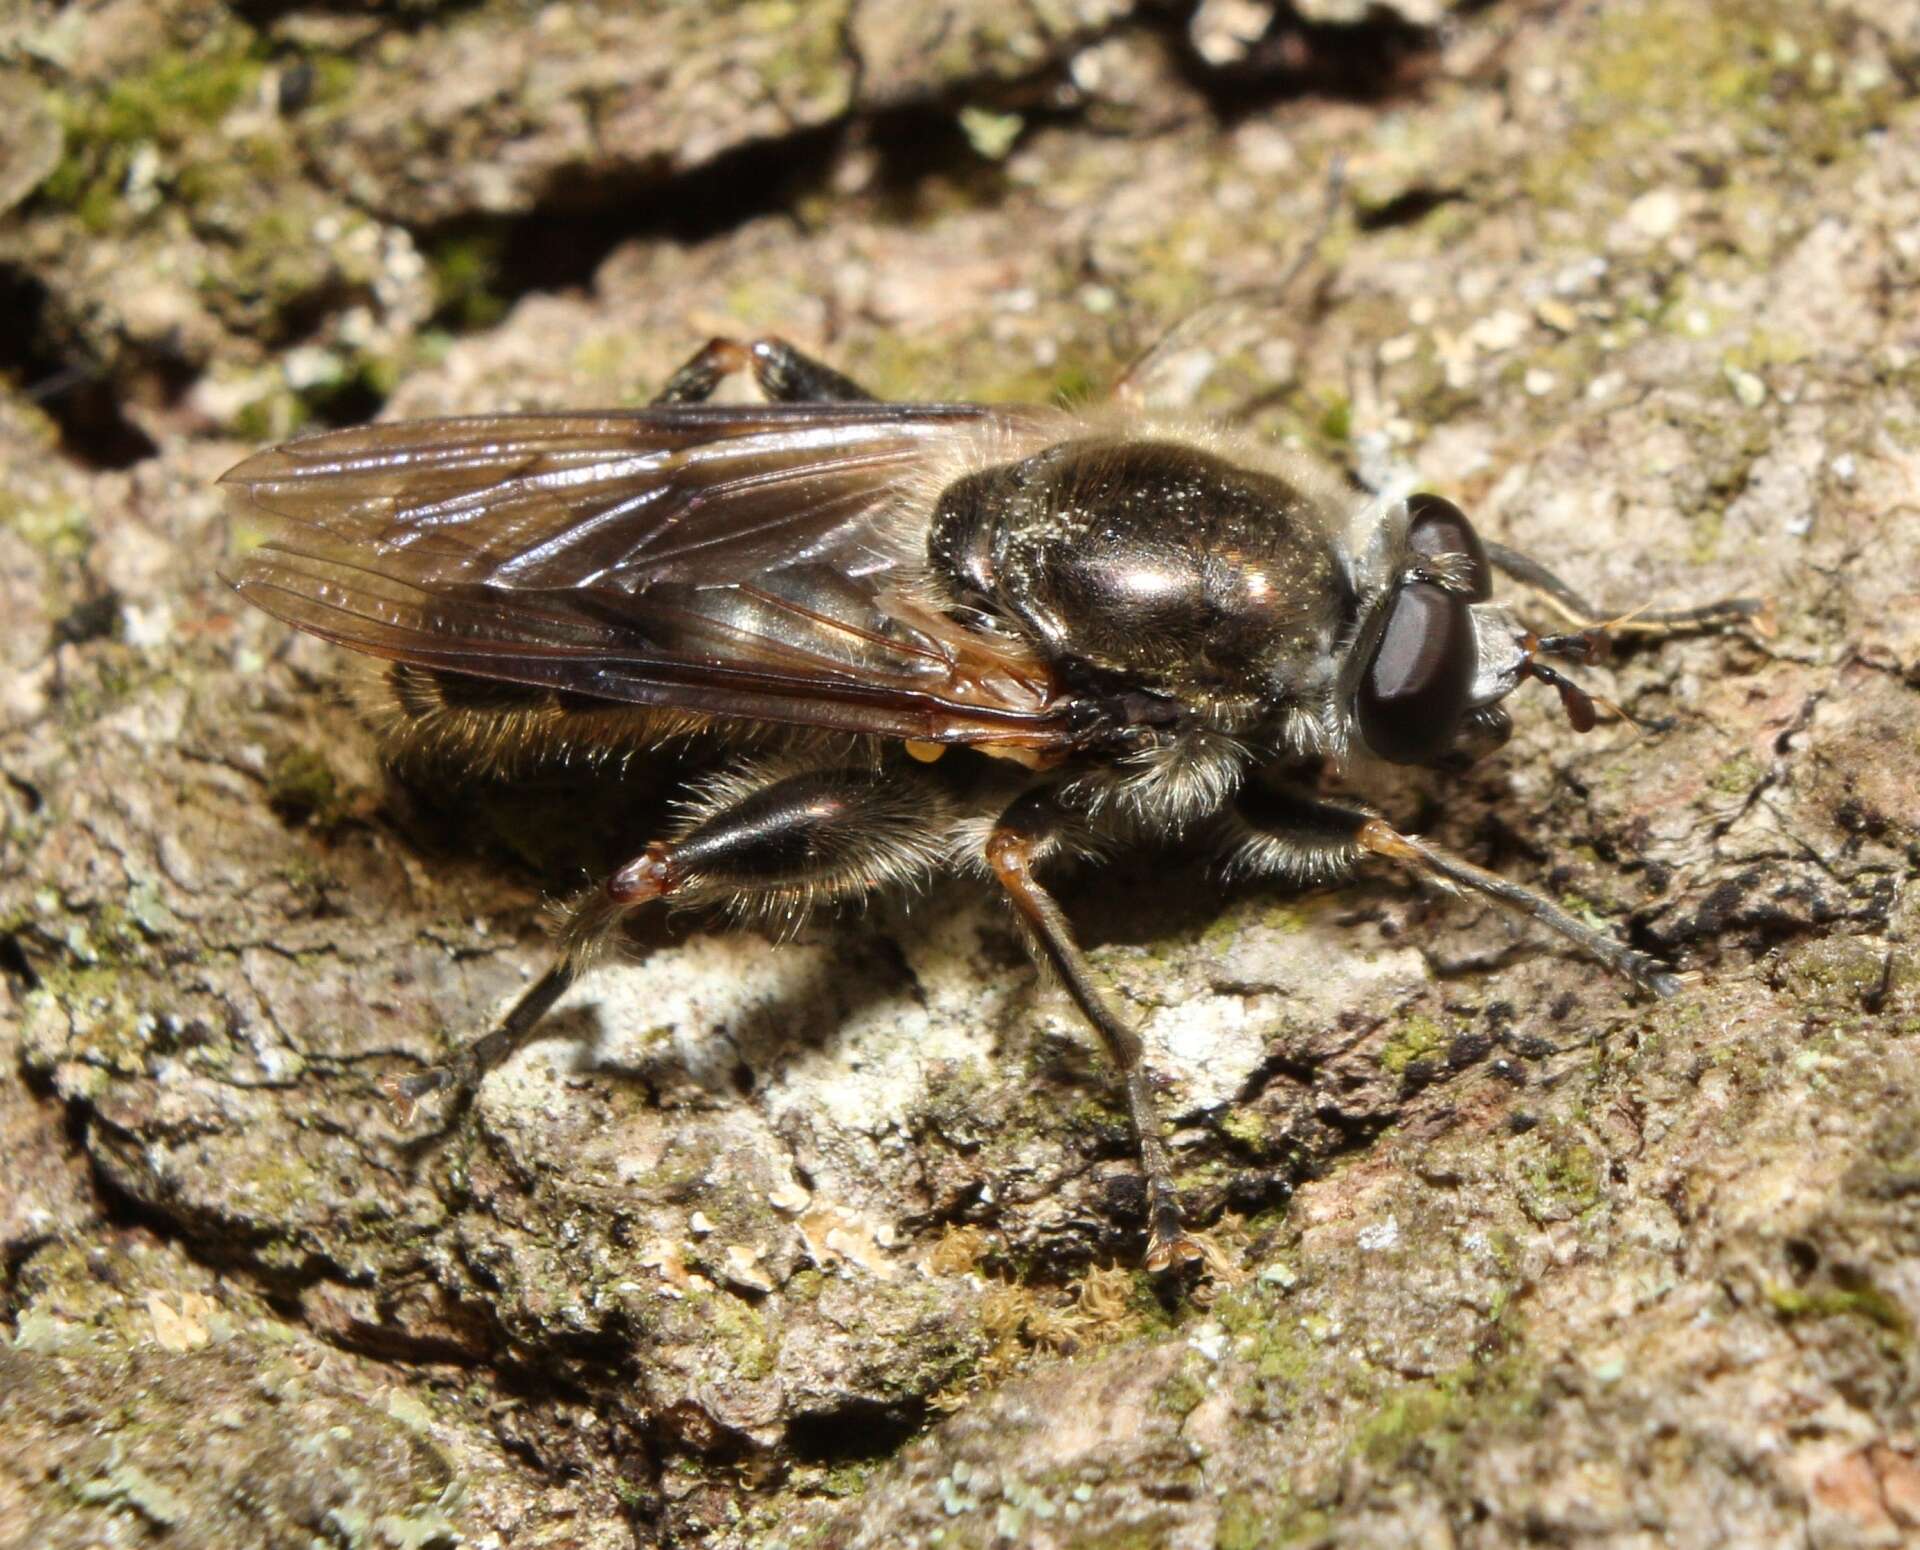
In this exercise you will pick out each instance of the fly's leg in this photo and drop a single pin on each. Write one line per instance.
(1728, 613)
(1379, 838)
(1289, 834)
(705, 370)
(1309, 840)
(462, 1074)
(766, 845)
(769, 845)
(1026, 832)
(787, 376)
(784, 374)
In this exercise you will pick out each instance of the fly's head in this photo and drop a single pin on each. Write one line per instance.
(1431, 654)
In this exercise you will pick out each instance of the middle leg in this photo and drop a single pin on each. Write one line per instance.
(1026, 833)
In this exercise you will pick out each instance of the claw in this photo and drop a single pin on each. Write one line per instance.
(405, 1092)
(1169, 1244)
(1183, 1248)
(406, 1104)
(1189, 1248)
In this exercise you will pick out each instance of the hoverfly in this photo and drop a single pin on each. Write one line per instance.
(947, 636)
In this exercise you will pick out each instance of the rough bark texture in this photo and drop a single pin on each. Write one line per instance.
(834, 1245)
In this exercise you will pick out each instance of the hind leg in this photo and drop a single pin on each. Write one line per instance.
(765, 845)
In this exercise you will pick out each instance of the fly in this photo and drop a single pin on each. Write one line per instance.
(940, 637)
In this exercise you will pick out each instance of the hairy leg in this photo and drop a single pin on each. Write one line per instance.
(765, 844)
(785, 375)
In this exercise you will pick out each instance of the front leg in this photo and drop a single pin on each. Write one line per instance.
(1307, 839)
(1026, 832)
(1728, 613)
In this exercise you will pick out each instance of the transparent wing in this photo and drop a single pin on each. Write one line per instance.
(731, 561)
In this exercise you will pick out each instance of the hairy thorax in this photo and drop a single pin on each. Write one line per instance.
(1151, 561)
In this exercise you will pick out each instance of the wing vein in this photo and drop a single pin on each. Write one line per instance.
(734, 561)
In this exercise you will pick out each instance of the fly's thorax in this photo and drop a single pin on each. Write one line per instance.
(1150, 560)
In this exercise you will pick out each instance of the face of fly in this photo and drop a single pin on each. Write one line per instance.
(1431, 653)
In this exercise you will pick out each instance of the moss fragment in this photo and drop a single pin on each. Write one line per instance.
(302, 786)
(466, 279)
(167, 105)
(1863, 1301)
(1562, 1182)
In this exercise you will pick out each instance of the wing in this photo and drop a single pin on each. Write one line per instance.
(727, 561)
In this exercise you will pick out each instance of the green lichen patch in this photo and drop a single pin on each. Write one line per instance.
(165, 107)
(1430, 1419)
(57, 529)
(304, 788)
(1737, 776)
(95, 1017)
(1855, 974)
(740, 1331)
(1863, 1302)
(465, 268)
(1255, 1520)
(1249, 1128)
(1767, 73)
(1270, 1339)
(1560, 1177)
(1417, 1038)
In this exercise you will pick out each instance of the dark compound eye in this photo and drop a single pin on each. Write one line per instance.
(1440, 527)
(1415, 689)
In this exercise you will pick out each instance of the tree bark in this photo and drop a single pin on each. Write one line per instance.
(837, 1244)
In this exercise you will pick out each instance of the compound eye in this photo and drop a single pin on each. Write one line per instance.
(1415, 689)
(1439, 527)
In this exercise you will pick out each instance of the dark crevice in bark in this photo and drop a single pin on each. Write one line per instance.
(581, 219)
(1408, 209)
(560, 244)
(14, 963)
(859, 1429)
(225, 1247)
(77, 393)
(405, 16)
(1382, 57)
